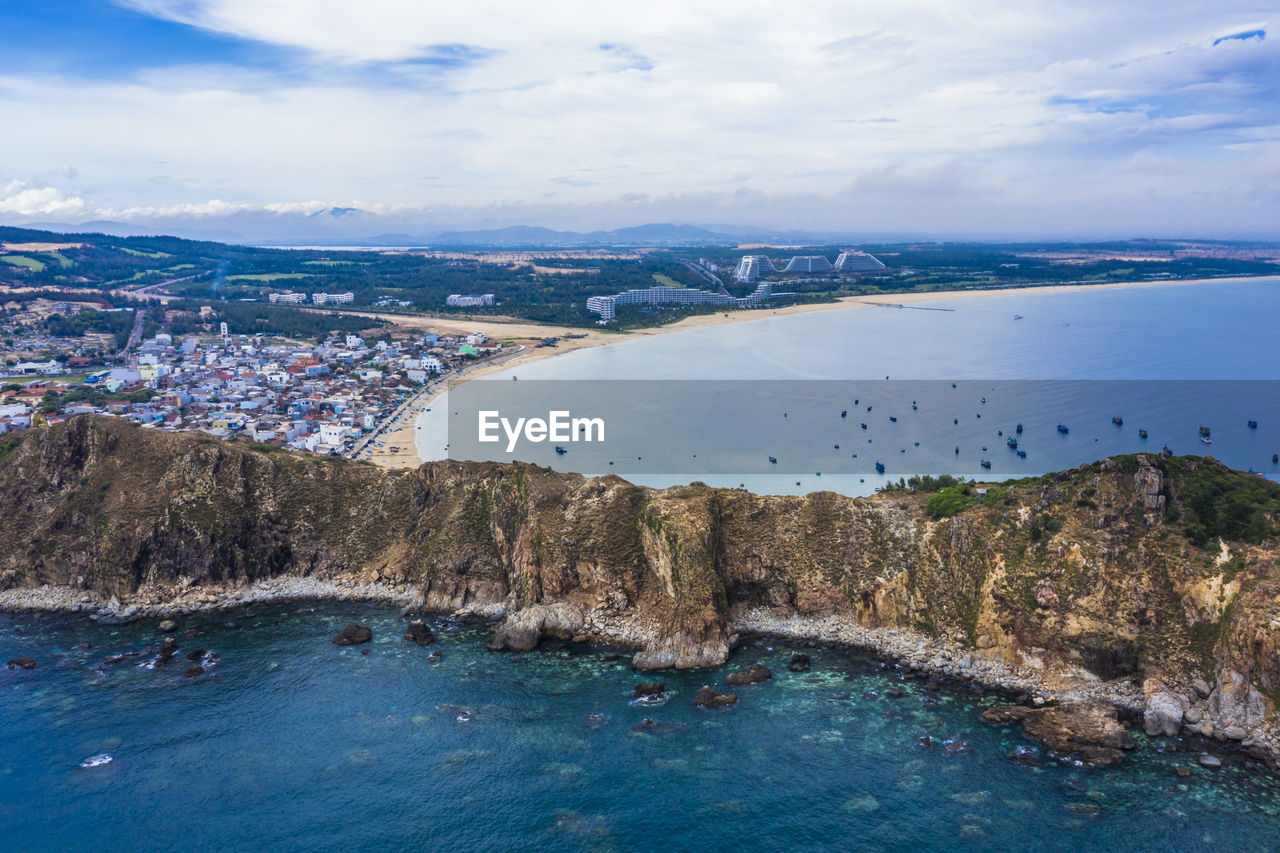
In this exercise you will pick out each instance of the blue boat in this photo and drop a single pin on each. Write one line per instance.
(1013, 443)
(773, 460)
(1118, 421)
(892, 419)
(1142, 433)
(1018, 429)
(879, 467)
(1063, 428)
(1022, 454)
(561, 450)
(985, 464)
(1253, 424)
(864, 426)
(844, 413)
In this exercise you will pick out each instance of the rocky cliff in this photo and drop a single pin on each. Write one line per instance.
(1155, 573)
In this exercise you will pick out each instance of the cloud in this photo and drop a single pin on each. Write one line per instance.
(585, 106)
(19, 199)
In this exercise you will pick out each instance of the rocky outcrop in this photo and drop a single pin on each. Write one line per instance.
(708, 698)
(419, 632)
(754, 674)
(1091, 732)
(1099, 581)
(353, 635)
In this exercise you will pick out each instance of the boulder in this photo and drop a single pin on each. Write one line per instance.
(1210, 761)
(521, 631)
(22, 663)
(708, 698)
(799, 662)
(1164, 709)
(649, 690)
(754, 674)
(353, 635)
(1236, 702)
(1089, 731)
(167, 626)
(196, 654)
(419, 632)
(195, 671)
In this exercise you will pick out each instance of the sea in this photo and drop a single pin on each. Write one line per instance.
(932, 387)
(290, 742)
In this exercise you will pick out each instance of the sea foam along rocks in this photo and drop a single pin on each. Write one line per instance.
(353, 635)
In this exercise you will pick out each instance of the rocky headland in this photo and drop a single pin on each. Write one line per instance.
(1134, 585)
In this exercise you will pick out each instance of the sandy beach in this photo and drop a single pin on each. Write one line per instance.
(525, 336)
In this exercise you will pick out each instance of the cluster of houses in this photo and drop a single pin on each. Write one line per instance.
(320, 398)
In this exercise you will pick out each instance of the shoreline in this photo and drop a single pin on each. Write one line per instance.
(938, 659)
(523, 333)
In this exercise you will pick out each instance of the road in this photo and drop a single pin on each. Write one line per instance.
(709, 276)
(135, 336)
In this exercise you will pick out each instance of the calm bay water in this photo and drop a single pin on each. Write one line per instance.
(293, 742)
(1180, 332)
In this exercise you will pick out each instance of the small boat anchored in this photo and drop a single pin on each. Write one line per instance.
(879, 467)
(1253, 424)
(1118, 421)
(1142, 433)
(1017, 316)
(1204, 430)
(985, 464)
(1062, 428)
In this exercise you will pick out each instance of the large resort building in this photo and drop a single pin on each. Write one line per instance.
(753, 267)
(606, 306)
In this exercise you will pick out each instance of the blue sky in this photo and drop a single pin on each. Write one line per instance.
(931, 117)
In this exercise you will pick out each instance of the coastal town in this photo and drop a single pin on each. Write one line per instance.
(332, 397)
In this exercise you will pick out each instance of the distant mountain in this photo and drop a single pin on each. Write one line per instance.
(665, 234)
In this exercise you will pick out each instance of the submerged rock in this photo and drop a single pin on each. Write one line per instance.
(195, 671)
(649, 691)
(196, 654)
(22, 663)
(167, 626)
(754, 674)
(1210, 761)
(1091, 732)
(419, 632)
(708, 698)
(799, 662)
(353, 635)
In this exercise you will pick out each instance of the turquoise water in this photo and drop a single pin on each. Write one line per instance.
(1178, 332)
(290, 741)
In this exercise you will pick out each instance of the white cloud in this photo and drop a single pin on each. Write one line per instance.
(578, 103)
(18, 199)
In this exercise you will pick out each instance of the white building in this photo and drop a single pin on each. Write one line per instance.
(287, 296)
(470, 300)
(751, 267)
(856, 262)
(332, 298)
(808, 264)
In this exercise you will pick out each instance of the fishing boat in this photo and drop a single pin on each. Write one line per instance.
(837, 447)
(1018, 429)
(892, 419)
(1253, 424)
(561, 450)
(1017, 316)
(864, 426)
(1012, 442)
(773, 460)
(985, 464)
(1022, 454)
(1204, 430)
(1275, 457)
(1142, 433)
(1118, 421)
(957, 450)
(844, 413)
(879, 467)
(1062, 428)
(955, 420)
(1204, 439)
(1166, 451)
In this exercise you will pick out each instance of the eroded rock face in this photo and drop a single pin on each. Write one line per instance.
(1072, 572)
(353, 635)
(1091, 732)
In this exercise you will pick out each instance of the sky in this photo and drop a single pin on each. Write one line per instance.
(987, 118)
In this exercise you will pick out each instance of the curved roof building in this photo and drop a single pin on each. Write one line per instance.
(857, 262)
(751, 267)
(808, 264)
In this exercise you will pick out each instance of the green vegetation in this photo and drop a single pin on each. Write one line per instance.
(143, 254)
(24, 261)
(666, 280)
(8, 442)
(268, 276)
(1218, 503)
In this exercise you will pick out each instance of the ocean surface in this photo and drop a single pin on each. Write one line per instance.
(1156, 356)
(291, 742)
